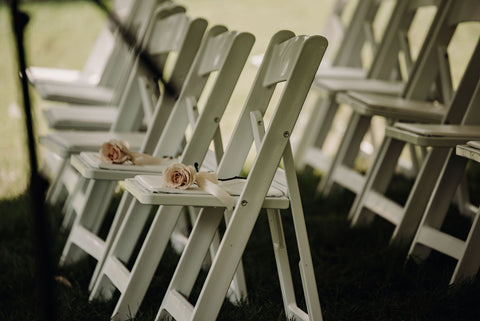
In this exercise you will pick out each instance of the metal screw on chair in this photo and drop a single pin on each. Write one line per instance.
(286, 134)
(217, 119)
(244, 203)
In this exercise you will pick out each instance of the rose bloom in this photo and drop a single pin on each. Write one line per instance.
(179, 176)
(115, 152)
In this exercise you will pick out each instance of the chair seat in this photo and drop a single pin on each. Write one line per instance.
(73, 142)
(433, 135)
(81, 94)
(89, 165)
(52, 75)
(195, 197)
(326, 71)
(475, 144)
(469, 151)
(80, 117)
(393, 107)
(362, 85)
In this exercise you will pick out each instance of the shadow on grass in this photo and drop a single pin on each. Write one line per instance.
(359, 276)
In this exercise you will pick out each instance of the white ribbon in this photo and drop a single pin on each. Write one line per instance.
(209, 183)
(180, 176)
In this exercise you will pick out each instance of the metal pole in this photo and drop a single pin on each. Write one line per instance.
(37, 185)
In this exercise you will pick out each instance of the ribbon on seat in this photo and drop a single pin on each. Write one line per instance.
(180, 176)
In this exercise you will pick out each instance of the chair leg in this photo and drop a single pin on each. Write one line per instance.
(237, 291)
(285, 274)
(462, 199)
(98, 197)
(419, 196)
(122, 245)
(307, 274)
(69, 208)
(377, 179)
(439, 203)
(114, 228)
(147, 262)
(468, 265)
(348, 150)
(318, 126)
(56, 191)
(192, 257)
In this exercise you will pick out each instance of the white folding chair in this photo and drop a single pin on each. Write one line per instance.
(170, 34)
(371, 199)
(223, 53)
(346, 39)
(344, 60)
(287, 58)
(101, 117)
(466, 252)
(384, 76)
(97, 61)
(101, 82)
(430, 235)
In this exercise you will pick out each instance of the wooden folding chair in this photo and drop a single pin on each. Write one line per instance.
(344, 59)
(222, 52)
(170, 34)
(287, 58)
(348, 30)
(104, 84)
(465, 251)
(384, 76)
(429, 234)
(101, 117)
(97, 61)
(372, 199)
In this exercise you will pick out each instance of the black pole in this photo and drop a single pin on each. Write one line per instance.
(37, 183)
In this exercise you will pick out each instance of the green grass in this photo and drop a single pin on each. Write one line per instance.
(359, 276)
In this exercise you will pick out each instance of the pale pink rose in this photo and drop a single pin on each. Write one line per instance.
(179, 176)
(115, 152)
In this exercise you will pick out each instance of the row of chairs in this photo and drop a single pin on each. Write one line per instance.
(396, 86)
(426, 110)
(184, 125)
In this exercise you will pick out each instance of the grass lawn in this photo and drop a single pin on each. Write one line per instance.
(359, 276)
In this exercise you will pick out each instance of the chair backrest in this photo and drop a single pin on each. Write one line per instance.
(222, 53)
(395, 50)
(432, 67)
(109, 51)
(334, 28)
(468, 88)
(178, 34)
(358, 33)
(288, 59)
(472, 114)
(128, 54)
(294, 61)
